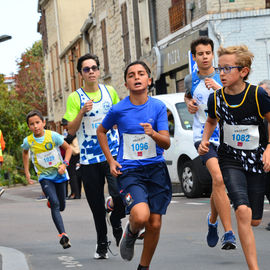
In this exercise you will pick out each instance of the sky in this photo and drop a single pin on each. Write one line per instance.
(18, 18)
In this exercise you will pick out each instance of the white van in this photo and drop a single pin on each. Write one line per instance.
(184, 164)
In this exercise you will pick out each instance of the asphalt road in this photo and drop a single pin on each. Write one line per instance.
(28, 238)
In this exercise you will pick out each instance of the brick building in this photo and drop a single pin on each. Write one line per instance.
(227, 22)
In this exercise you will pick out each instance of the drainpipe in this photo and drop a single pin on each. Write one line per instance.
(152, 7)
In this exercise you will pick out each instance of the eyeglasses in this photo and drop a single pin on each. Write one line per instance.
(87, 69)
(226, 70)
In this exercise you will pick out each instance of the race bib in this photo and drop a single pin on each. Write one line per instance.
(92, 123)
(245, 137)
(48, 159)
(138, 146)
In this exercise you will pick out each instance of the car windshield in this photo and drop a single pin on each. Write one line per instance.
(185, 117)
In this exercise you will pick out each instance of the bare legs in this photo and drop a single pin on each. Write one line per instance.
(247, 239)
(141, 217)
(220, 204)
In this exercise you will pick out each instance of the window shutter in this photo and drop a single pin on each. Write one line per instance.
(53, 74)
(58, 69)
(177, 14)
(125, 33)
(72, 73)
(104, 47)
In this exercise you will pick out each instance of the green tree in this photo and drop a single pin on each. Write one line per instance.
(28, 94)
(30, 82)
(12, 120)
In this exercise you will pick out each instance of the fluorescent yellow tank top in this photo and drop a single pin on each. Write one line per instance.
(46, 157)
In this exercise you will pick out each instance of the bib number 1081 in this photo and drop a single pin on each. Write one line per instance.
(241, 138)
(139, 146)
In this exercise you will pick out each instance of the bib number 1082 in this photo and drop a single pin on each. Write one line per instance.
(241, 138)
(139, 146)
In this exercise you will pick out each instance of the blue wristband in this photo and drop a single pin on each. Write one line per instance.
(66, 163)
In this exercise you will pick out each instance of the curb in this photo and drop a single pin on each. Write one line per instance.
(13, 259)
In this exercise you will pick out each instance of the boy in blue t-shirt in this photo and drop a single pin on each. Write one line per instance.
(141, 172)
(49, 166)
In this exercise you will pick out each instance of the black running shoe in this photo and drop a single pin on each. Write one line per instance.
(64, 241)
(117, 233)
(101, 251)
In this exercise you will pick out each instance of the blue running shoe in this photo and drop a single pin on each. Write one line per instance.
(228, 241)
(212, 236)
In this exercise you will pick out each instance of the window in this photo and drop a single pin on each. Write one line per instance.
(170, 122)
(104, 47)
(177, 15)
(185, 117)
(125, 33)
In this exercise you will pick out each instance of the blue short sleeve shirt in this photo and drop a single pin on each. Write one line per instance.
(128, 117)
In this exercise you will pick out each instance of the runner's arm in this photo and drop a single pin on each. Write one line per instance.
(74, 125)
(103, 142)
(162, 138)
(191, 104)
(25, 156)
(209, 128)
(266, 154)
(68, 153)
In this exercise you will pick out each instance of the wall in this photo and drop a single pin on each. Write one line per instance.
(110, 11)
(249, 28)
(215, 6)
(71, 15)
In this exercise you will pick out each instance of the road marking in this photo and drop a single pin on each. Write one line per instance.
(13, 259)
(69, 262)
(195, 203)
(174, 201)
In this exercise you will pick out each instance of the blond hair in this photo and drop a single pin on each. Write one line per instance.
(244, 57)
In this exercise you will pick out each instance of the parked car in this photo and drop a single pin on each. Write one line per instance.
(184, 164)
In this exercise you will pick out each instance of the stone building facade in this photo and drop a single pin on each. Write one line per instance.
(60, 25)
(156, 31)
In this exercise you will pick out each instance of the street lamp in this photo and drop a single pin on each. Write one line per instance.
(4, 38)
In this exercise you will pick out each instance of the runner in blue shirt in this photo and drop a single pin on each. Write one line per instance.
(141, 172)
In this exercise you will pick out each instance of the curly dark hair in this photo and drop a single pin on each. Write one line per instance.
(203, 41)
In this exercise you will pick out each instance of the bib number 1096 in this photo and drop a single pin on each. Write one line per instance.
(139, 146)
(241, 138)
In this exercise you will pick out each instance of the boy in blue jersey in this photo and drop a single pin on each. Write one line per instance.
(141, 172)
(198, 87)
(244, 151)
(51, 169)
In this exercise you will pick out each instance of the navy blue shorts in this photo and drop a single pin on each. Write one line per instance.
(245, 188)
(211, 153)
(150, 184)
